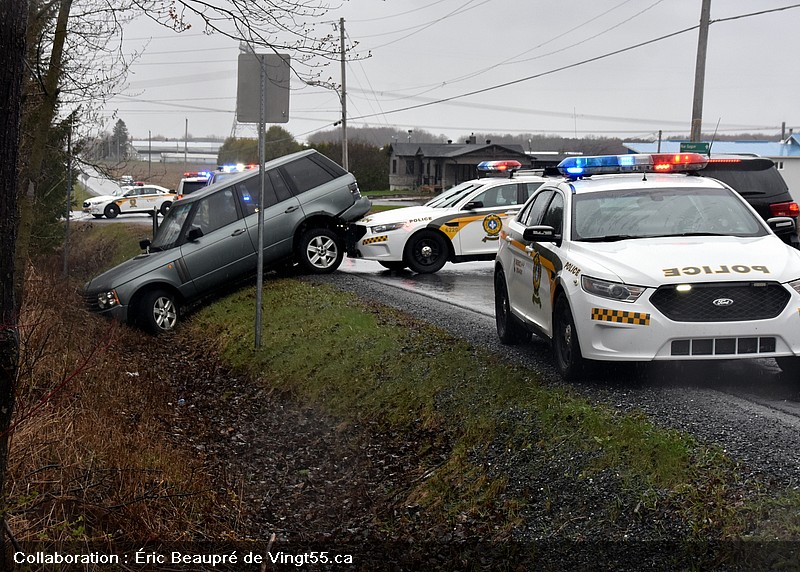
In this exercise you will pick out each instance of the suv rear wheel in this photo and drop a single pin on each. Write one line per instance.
(319, 251)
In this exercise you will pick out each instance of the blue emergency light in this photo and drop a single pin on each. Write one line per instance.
(576, 167)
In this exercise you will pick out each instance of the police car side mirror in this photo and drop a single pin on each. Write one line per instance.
(473, 205)
(540, 233)
(194, 233)
(782, 225)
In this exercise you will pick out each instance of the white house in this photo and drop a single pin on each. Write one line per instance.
(785, 154)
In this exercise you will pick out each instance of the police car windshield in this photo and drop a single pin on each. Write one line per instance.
(646, 213)
(451, 197)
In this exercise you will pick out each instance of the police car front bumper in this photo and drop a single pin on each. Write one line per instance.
(610, 331)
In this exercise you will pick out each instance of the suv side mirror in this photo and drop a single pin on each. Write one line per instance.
(473, 205)
(144, 244)
(540, 233)
(194, 233)
(782, 225)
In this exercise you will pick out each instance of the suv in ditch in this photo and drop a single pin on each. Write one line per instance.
(209, 239)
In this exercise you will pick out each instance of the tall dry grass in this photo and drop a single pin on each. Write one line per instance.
(93, 454)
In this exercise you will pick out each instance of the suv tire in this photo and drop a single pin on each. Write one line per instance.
(158, 312)
(320, 251)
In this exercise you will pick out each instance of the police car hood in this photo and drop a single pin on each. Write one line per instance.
(103, 198)
(655, 261)
(403, 214)
(130, 270)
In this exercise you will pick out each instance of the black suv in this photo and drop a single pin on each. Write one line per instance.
(759, 183)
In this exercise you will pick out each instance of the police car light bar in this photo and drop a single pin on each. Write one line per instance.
(499, 166)
(576, 167)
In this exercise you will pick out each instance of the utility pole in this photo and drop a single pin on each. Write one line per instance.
(345, 160)
(69, 197)
(700, 71)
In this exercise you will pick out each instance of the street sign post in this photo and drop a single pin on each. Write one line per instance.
(695, 147)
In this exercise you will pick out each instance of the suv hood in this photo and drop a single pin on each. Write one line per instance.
(655, 261)
(130, 270)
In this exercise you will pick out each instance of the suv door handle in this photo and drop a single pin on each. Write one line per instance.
(238, 231)
(291, 209)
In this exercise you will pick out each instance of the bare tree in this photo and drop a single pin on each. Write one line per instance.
(12, 68)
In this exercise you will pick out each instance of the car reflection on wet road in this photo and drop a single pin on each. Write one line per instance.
(466, 285)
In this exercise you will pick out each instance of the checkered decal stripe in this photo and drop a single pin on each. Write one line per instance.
(620, 317)
(374, 239)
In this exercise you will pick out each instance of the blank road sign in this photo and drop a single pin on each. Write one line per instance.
(276, 93)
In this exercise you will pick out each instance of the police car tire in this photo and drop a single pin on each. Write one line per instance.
(165, 208)
(320, 251)
(111, 211)
(566, 347)
(509, 330)
(790, 366)
(158, 312)
(416, 255)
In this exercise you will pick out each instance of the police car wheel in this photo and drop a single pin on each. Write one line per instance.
(111, 211)
(426, 252)
(509, 330)
(158, 312)
(566, 347)
(393, 265)
(790, 366)
(319, 251)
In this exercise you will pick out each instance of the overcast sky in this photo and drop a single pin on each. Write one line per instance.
(423, 51)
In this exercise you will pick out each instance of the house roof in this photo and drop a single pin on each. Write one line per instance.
(772, 149)
(450, 150)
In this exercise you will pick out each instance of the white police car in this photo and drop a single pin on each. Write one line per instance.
(461, 224)
(133, 199)
(653, 263)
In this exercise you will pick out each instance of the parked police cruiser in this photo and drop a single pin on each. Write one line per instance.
(639, 258)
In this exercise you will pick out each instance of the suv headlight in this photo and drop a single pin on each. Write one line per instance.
(613, 290)
(387, 227)
(107, 300)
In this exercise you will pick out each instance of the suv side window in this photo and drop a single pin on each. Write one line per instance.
(249, 192)
(215, 211)
(305, 174)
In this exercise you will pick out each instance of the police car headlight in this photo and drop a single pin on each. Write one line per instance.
(386, 227)
(612, 290)
(107, 300)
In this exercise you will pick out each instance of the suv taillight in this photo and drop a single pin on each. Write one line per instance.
(354, 189)
(784, 209)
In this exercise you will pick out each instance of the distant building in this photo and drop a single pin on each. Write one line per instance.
(195, 152)
(785, 154)
(438, 166)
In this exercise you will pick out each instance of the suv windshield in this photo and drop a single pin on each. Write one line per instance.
(641, 213)
(170, 229)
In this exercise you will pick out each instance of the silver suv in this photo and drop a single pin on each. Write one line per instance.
(208, 239)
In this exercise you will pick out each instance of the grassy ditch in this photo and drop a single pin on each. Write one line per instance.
(368, 363)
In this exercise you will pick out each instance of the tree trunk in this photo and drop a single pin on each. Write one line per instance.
(37, 128)
(12, 70)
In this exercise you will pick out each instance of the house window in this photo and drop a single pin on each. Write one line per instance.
(394, 166)
(410, 167)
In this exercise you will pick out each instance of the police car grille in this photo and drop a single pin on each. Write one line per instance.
(730, 302)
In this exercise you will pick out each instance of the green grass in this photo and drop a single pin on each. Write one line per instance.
(370, 364)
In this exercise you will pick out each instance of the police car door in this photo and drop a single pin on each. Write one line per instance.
(484, 217)
(547, 263)
(520, 277)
